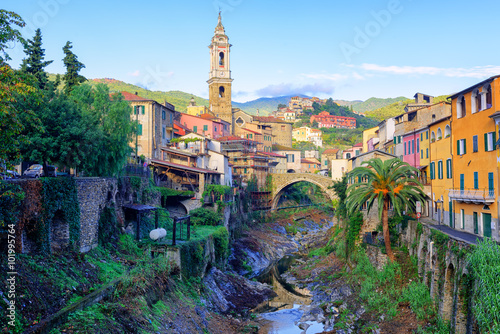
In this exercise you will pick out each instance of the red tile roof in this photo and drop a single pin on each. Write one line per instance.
(258, 133)
(272, 154)
(358, 145)
(207, 116)
(331, 151)
(305, 161)
(132, 97)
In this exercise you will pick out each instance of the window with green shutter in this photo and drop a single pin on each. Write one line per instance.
(205, 128)
(440, 169)
(142, 110)
(489, 141)
(139, 130)
(195, 129)
(432, 170)
(448, 169)
(476, 180)
(491, 187)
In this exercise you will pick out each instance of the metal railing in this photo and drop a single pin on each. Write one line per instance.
(473, 195)
(136, 170)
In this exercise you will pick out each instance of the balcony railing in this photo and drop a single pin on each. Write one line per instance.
(485, 196)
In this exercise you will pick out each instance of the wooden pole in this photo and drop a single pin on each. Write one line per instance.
(173, 232)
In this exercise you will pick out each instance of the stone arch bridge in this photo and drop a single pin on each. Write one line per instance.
(281, 181)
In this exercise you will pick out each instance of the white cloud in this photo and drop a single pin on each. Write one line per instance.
(458, 72)
(136, 73)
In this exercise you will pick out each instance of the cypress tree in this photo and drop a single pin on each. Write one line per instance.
(35, 63)
(73, 66)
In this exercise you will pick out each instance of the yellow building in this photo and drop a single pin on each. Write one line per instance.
(424, 163)
(440, 170)
(475, 158)
(367, 135)
(194, 110)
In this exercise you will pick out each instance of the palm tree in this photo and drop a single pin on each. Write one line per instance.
(385, 182)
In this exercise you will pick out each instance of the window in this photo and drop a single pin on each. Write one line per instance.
(244, 170)
(476, 180)
(421, 154)
(412, 146)
(163, 133)
(357, 152)
(432, 166)
(440, 169)
(418, 145)
(491, 188)
(205, 127)
(142, 110)
(448, 169)
(461, 147)
(348, 155)
(405, 147)
(290, 158)
(427, 153)
(215, 128)
(163, 115)
(487, 96)
(433, 136)
(421, 136)
(474, 144)
(221, 91)
(195, 128)
(447, 131)
(439, 134)
(171, 118)
(139, 130)
(475, 101)
(221, 58)
(489, 141)
(426, 134)
(461, 111)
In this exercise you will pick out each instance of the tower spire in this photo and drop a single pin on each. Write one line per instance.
(219, 29)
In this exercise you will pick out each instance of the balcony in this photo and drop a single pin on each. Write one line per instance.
(479, 196)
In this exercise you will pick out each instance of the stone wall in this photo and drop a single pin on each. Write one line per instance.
(443, 268)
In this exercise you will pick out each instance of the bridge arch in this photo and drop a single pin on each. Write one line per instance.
(282, 181)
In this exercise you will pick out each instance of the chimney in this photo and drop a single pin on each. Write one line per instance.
(136, 93)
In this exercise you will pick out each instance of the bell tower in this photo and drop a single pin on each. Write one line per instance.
(219, 82)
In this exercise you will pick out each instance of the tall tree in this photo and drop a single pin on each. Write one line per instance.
(8, 33)
(71, 78)
(35, 63)
(14, 86)
(385, 183)
(109, 129)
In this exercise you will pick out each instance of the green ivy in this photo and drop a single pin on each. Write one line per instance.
(485, 266)
(135, 182)
(11, 196)
(221, 246)
(59, 194)
(108, 230)
(192, 254)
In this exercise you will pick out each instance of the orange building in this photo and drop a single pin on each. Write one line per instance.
(475, 158)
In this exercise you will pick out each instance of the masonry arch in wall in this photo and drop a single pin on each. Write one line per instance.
(58, 232)
(282, 181)
(449, 285)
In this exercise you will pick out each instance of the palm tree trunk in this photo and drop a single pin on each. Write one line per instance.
(385, 229)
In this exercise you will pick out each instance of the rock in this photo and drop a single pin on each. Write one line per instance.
(360, 312)
(304, 326)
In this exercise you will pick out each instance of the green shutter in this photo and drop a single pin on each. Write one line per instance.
(486, 142)
(465, 146)
(195, 128)
(139, 130)
(142, 110)
(458, 147)
(476, 181)
(494, 140)
(133, 110)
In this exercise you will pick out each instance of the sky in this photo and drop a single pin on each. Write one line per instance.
(350, 50)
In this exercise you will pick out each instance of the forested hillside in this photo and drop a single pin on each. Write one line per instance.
(396, 108)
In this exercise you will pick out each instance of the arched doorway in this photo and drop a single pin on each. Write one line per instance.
(59, 233)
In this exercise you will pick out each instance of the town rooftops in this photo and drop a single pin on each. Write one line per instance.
(134, 97)
(272, 154)
(269, 119)
(331, 151)
(307, 161)
(183, 167)
(358, 145)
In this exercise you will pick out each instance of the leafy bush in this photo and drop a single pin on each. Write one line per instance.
(485, 266)
(417, 294)
(203, 216)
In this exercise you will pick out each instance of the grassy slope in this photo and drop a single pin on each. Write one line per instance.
(396, 108)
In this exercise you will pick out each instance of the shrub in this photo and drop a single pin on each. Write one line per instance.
(203, 216)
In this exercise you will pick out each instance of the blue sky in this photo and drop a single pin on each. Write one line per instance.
(349, 50)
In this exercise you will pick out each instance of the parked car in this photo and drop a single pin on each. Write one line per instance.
(9, 174)
(35, 171)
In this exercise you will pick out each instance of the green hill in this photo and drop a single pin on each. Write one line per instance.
(265, 104)
(375, 103)
(396, 108)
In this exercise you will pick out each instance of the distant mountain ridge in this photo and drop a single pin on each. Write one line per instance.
(265, 105)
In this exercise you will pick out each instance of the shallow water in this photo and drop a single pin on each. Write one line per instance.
(285, 306)
(283, 322)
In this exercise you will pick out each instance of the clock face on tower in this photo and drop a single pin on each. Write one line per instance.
(221, 74)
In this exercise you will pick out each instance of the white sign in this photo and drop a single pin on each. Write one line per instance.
(419, 207)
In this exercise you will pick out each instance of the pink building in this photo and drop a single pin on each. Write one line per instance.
(411, 149)
(209, 126)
